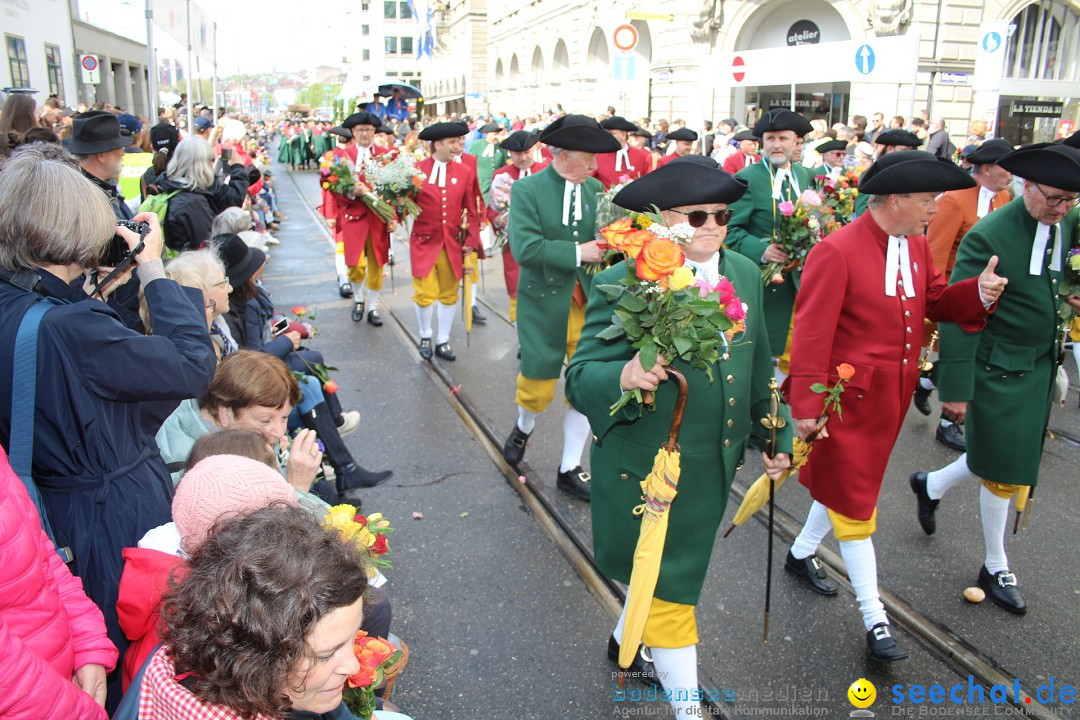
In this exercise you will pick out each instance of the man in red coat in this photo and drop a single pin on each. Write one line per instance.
(365, 239)
(626, 163)
(684, 143)
(447, 202)
(519, 145)
(746, 155)
(472, 261)
(874, 274)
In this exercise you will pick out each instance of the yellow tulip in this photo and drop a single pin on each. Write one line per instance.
(682, 278)
(1074, 262)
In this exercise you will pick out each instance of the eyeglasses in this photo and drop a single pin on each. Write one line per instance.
(697, 218)
(212, 305)
(1056, 200)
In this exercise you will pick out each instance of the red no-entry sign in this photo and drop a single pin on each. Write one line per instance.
(738, 69)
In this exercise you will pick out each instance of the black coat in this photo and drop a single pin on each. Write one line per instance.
(191, 212)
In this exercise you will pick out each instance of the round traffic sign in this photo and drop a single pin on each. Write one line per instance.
(625, 37)
(89, 63)
(738, 69)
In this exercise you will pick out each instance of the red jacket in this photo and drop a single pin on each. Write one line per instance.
(666, 159)
(511, 269)
(738, 160)
(144, 581)
(640, 160)
(440, 216)
(842, 315)
(48, 627)
(355, 222)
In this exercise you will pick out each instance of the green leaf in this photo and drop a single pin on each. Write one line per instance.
(683, 345)
(612, 292)
(611, 332)
(648, 356)
(818, 388)
(632, 303)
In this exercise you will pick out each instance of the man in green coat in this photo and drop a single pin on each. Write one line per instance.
(999, 381)
(721, 420)
(756, 220)
(551, 228)
(489, 156)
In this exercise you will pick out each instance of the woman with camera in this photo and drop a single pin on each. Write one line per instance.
(101, 481)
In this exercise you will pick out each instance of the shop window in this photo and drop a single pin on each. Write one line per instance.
(20, 68)
(55, 70)
(1044, 43)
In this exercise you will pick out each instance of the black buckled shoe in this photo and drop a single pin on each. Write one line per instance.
(1001, 588)
(925, 507)
(881, 645)
(514, 447)
(810, 571)
(921, 399)
(425, 348)
(575, 482)
(357, 313)
(640, 669)
(951, 436)
(345, 290)
(478, 317)
(374, 318)
(443, 350)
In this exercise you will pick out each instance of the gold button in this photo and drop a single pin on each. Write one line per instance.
(727, 442)
(624, 476)
(908, 330)
(907, 346)
(905, 361)
(731, 402)
(730, 379)
(907, 313)
(731, 423)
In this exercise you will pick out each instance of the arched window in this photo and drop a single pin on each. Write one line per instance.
(1044, 43)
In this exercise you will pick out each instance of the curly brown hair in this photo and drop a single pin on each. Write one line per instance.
(239, 619)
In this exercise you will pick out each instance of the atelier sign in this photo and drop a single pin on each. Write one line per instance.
(803, 32)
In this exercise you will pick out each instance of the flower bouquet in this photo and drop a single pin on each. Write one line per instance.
(376, 656)
(1070, 285)
(837, 199)
(338, 178)
(663, 309)
(799, 230)
(395, 178)
(367, 531)
(499, 201)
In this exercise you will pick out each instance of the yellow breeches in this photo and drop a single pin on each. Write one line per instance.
(670, 625)
(359, 272)
(845, 528)
(784, 361)
(440, 284)
(513, 309)
(535, 395)
(1001, 489)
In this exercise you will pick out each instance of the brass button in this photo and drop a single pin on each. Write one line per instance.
(730, 379)
(907, 313)
(731, 423)
(905, 361)
(575, 233)
(907, 330)
(907, 346)
(727, 442)
(624, 476)
(731, 402)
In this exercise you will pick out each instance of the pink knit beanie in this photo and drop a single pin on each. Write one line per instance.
(220, 486)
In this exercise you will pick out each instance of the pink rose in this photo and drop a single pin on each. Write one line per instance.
(735, 311)
(703, 286)
(811, 198)
(726, 290)
(786, 208)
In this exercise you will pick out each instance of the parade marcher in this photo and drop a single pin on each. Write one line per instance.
(437, 249)
(365, 238)
(552, 222)
(519, 145)
(626, 163)
(746, 154)
(844, 314)
(887, 141)
(337, 137)
(720, 421)
(833, 154)
(684, 143)
(754, 225)
(999, 382)
(958, 211)
(639, 139)
(489, 155)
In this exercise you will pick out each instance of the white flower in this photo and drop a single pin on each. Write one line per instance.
(680, 232)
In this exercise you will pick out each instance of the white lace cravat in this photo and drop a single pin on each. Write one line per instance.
(983, 207)
(571, 196)
(622, 159)
(897, 260)
(708, 270)
(489, 150)
(438, 174)
(1038, 249)
(524, 173)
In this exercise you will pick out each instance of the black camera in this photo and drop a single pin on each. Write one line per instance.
(117, 251)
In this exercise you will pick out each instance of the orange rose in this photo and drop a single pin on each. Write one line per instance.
(845, 371)
(659, 258)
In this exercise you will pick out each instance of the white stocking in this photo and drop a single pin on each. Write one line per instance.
(941, 481)
(423, 319)
(526, 420)
(677, 670)
(995, 515)
(446, 322)
(814, 530)
(862, 572)
(576, 433)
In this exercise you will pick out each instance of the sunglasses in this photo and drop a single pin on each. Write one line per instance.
(697, 218)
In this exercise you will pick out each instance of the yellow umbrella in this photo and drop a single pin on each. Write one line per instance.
(1023, 495)
(659, 488)
(469, 269)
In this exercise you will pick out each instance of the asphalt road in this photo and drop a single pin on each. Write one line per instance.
(499, 623)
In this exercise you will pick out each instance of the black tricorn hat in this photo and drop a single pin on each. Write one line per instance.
(779, 119)
(617, 122)
(579, 132)
(360, 118)
(895, 136)
(830, 146)
(1073, 140)
(94, 132)
(241, 260)
(444, 130)
(341, 132)
(519, 141)
(1053, 164)
(641, 133)
(688, 180)
(490, 127)
(990, 152)
(745, 135)
(913, 171)
(683, 134)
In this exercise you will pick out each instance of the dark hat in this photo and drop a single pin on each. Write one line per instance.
(203, 123)
(990, 152)
(913, 171)
(688, 180)
(579, 132)
(341, 132)
(1073, 140)
(490, 127)
(241, 260)
(164, 136)
(641, 133)
(683, 134)
(895, 136)
(95, 131)
(130, 123)
(519, 141)
(254, 175)
(1053, 164)
(616, 122)
(360, 118)
(779, 119)
(968, 150)
(745, 135)
(444, 130)
(383, 130)
(830, 146)
(732, 122)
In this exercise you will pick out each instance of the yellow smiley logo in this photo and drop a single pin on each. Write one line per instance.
(862, 693)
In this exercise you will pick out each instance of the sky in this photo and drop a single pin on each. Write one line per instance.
(254, 36)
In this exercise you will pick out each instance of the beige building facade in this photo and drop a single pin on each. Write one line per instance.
(1014, 64)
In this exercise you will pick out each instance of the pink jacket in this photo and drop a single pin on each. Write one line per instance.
(48, 627)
